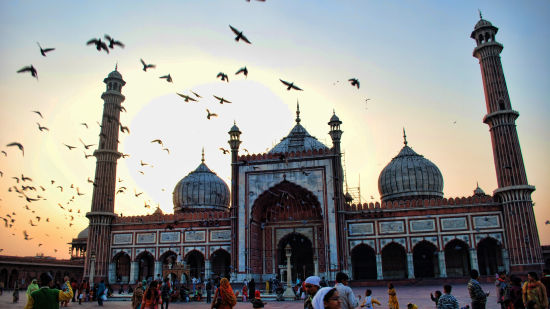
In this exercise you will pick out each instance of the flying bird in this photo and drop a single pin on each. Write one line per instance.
(86, 156)
(225, 151)
(168, 78)
(43, 51)
(23, 178)
(147, 66)
(26, 235)
(290, 85)
(18, 146)
(113, 42)
(354, 82)
(210, 114)
(137, 194)
(99, 45)
(69, 146)
(196, 94)
(167, 150)
(30, 69)
(4, 153)
(38, 113)
(158, 141)
(123, 129)
(239, 34)
(222, 100)
(223, 76)
(186, 97)
(243, 70)
(86, 146)
(85, 124)
(143, 163)
(41, 128)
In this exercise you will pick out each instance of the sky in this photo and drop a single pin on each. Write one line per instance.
(413, 60)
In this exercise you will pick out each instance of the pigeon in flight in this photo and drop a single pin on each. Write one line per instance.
(147, 66)
(186, 97)
(168, 78)
(223, 76)
(18, 146)
(222, 100)
(43, 51)
(354, 82)
(196, 94)
(99, 45)
(41, 128)
(210, 114)
(239, 34)
(31, 69)
(158, 141)
(113, 42)
(290, 85)
(38, 113)
(243, 70)
(69, 146)
(225, 151)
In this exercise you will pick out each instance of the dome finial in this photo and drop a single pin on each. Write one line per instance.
(404, 137)
(480, 15)
(297, 111)
(202, 157)
(116, 66)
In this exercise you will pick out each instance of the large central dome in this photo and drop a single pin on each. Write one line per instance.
(410, 176)
(201, 190)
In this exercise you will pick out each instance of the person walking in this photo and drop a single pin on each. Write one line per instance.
(327, 298)
(447, 301)
(503, 290)
(137, 297)
(534, 292)
(15, 293)
(392, 301)
(165, 293)
(83, 290)
(224, 298)
(101, 293)
(46, 297)
(369, 302)
(151, 297)
(478, 296)
(31, 288)
(311, 287)
(347, 298)
(516, 295)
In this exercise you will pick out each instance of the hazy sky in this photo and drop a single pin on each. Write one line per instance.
(413, 59)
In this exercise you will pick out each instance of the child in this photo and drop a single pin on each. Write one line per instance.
(245, 292)
(257, 301)
(369, 301)
(436, 298)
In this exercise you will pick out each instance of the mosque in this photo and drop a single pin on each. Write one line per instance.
(290, 203)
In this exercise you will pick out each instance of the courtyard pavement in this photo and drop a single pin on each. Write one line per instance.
(419, 295)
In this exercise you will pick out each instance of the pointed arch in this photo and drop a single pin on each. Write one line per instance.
(146, 264)
(425, 260)
(394, 261)
(220, 262)
(195, 262)
(457, 258)
(489, 256)
(363, 261)
(301, 259)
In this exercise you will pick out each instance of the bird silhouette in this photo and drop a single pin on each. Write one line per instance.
(31, 223)
(41, 128)
(86, 146)
(16, 179)
(4, 153)
(113, 42)
(240, 35)
(225, 151)
(186, 97)
(167, 77)
(99, 44)
(43, 51)
(26, 235)
(158, 141)
(69, 146)
(223, 76)
(23, 178)
(167, 150)
(143, 163)
(124, 129)
(137, 194)
(38, 113)
(210, 114)
(222, 100)
(147, 66)
(290, 85)
(243, 70)
(18, 146)
(60, 188)
(246, 150)
(78, 192)
(30, 69)
(196, 94)
(354, 82)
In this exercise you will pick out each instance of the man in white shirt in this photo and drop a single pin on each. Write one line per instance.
(347, 298)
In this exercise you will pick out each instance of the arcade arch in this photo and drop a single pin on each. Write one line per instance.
(457, 258)
(363, 261)
(146, 264)
(195, 262)
(489, 256)
(220, 261)
(301, 260)
(425, 260)
(394, 261)
(122, 267)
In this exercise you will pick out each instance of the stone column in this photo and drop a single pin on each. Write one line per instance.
(379, 273)
(473, 259)
(442, 264)
(112, 272)
(316, 265)
(207, 269)
(289, 293)
(158, 269)
(92, 269)
(410, 265)
(133, 272)
(506, 260)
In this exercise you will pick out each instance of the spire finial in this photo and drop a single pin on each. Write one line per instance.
(480, 15)
(404, 137)
(202, 158)
(477, 184)
(116, 66)
(298, 112)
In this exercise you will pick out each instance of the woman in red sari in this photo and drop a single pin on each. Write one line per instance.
(224, 293)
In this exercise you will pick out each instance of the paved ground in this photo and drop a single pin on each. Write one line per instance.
(405, 294)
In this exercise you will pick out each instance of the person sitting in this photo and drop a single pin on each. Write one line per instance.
(257, 301)
(279, 291)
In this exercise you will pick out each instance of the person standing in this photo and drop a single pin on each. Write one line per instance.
(534, 292)
(503, 290)
(46, 297)
(209, 291)
(224, 293)
(311, 287)
(435, 298)
(101, 292)
(137, 297)
(251, 287)
(165, 293)
(546, 281)
(447, 301)
(327, 298)
(392, 302)
(151, 297)
(369, 302)
(516, 297)
(31, 288)
(244, 292)
(347, 298)
(478, 296)
(16, 293)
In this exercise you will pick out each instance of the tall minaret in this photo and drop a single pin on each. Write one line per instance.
(234, 143)
(514, 192)
(103, 199)
(336, 134)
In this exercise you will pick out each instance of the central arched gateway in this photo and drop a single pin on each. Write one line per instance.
(286, 214)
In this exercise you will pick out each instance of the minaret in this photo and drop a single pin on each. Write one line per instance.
(234, 143)
(336, 134)
(514, 192)
(103, 200)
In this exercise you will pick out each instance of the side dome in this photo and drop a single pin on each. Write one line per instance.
(83, 233)
(410, 176)
(201, 190)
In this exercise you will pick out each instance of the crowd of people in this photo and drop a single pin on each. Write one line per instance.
(511, 293)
